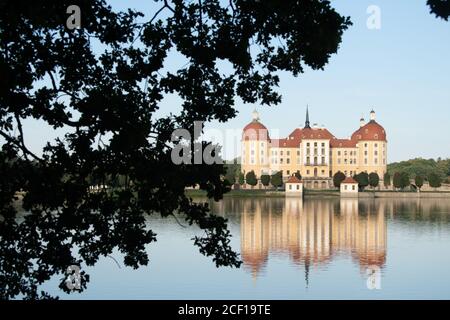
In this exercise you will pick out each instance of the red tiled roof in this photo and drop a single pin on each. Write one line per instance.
(370, 131)
(350, 180)
(285, 143)
(296, 137)
(322, 133)
(343, 143)
(255, 130)
(294, 179)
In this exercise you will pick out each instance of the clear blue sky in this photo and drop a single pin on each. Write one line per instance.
(401, 70)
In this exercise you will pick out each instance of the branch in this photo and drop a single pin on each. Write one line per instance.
(166, 4)
(21, 136)
(22, 147)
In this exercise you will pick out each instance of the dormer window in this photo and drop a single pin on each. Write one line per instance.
(376, 136)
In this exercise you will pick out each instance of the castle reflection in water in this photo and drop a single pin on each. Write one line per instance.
(310, 232)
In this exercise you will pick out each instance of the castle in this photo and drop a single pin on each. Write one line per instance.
(314, 152)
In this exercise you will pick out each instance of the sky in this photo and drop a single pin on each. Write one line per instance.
(401, 70)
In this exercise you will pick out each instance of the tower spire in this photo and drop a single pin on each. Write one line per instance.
(307, 126)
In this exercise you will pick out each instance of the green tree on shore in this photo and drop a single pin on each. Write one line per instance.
(298, 175)
(241, 179)
(250, 179)
(418, 180)
(401, 180)
(277, 180)
(362, 179)
(434, 180)
(374, 179)
(265, 180)
(338, 178)
(387, 180)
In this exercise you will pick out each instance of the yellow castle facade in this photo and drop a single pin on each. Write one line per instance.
(314, 152)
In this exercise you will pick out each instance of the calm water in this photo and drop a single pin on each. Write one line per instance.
(294, 249)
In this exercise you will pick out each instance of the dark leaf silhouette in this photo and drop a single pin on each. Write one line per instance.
(105, 100)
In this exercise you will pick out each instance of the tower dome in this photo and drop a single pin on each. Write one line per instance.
(255, 130)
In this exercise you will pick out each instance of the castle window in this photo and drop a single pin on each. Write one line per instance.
(288, 172)
(288, 153)
(298, 187)
(339, 153)
(288, 160)
(323, 160)
(323, 144)
(323, 151)
(307, 144)
(281, 153)
(315, 144)
(298, 153)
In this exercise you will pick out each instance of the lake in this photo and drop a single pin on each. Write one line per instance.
(314, 248)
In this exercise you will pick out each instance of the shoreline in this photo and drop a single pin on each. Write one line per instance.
(327, 193)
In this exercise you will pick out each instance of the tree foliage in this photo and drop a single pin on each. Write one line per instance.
(241, 180)
(387, 179)
(277, 179)
(434, 180)
(232, 170)
(362, 179)
(419, 181)
(422, 167)
(441, 8)
(401, 180)
(250, 178)
(374, 179)
(265, 180)
(338, 178)
(105, 103)
(298, 175)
